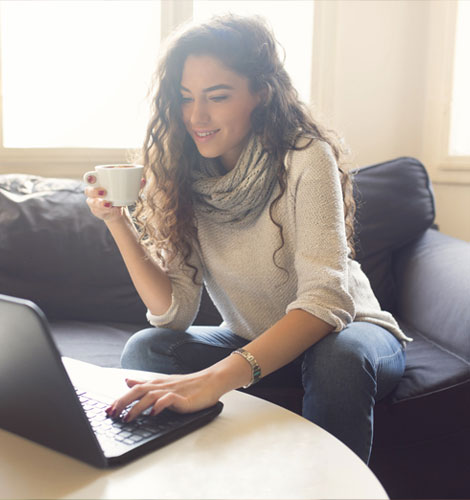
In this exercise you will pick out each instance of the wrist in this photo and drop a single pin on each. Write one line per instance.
(120, 221)
(230, 373)
(251, 360)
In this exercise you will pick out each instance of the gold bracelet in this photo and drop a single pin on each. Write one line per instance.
(255, 369)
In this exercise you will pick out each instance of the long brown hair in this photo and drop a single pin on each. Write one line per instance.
(245, 45)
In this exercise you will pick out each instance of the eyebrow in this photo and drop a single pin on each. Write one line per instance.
(221, 86)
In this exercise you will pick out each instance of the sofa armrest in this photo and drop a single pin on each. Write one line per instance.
(433, 284)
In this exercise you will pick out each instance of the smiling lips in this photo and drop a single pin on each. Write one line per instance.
(204, 135)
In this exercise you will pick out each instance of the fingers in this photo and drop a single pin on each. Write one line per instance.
(158, 400)
(95, 192)
(172, 401)
(145, 395)
(146, 402)
(132, 382)
(99, 206)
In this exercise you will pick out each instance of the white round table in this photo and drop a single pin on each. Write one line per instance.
(252, 450)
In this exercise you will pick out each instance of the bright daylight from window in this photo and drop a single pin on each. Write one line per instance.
(75, 74)
(459, 143)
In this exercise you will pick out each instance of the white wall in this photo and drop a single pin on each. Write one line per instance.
(378, 88)
(378, 103)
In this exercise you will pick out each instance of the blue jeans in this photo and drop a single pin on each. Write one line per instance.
(343, 375)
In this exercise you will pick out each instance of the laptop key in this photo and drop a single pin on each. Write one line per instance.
(128, 441)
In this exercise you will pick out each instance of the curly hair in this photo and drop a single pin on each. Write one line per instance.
(164, 213)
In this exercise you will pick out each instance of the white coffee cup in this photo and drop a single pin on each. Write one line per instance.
(121, 181)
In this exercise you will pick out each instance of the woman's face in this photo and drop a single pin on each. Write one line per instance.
(216, 107)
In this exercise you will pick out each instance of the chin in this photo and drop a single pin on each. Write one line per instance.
(208, 154)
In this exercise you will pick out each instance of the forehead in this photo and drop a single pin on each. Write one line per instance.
(201, 72)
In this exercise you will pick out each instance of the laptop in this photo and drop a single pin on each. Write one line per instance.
(39, 402)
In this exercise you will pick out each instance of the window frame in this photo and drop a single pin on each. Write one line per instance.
(443, 167)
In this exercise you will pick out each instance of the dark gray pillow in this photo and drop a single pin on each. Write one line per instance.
(55, 252)
(395, 205)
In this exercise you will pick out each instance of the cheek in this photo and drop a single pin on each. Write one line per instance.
(243, 119)
(185, 116)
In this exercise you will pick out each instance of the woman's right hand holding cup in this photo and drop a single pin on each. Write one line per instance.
(99, 206)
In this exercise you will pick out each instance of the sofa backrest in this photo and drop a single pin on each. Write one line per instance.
(395, 205)
(55, 252)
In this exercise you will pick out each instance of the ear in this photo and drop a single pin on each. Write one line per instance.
(264, 95)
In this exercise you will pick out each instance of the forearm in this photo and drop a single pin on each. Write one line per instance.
(279, 345)
(151, 282)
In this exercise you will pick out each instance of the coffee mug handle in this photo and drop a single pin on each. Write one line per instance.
(87, 174)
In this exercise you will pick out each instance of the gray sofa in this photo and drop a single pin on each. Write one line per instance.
(55, 253)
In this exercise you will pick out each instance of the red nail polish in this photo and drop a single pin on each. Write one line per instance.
(90, 179)
(101, 192)
(107, 204)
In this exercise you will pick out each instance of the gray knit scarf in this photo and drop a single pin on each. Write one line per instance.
(239, 195)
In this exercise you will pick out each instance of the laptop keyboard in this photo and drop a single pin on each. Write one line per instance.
(113, 433)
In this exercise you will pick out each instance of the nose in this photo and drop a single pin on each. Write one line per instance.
(199, 113)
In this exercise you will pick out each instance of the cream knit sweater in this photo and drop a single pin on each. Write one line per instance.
(237, 266)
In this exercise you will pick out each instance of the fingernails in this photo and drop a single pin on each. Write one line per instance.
(111, 411)
(107, 204)
(101, 192)
(90, 179)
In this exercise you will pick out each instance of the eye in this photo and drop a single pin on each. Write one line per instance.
(219, 98)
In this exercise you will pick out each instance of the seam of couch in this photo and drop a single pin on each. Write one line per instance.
(430, 393)
(441, 348)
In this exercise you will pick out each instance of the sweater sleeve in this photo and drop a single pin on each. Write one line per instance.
(321, 252)
(185, 297)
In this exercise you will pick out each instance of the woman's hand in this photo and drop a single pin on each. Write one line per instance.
(180, 393)
(99, 206)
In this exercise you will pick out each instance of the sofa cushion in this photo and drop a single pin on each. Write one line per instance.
(421, 378)
(395, 204)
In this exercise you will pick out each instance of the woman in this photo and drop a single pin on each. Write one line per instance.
(244, 193)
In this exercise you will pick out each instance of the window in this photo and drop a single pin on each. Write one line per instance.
(459, 133)
(446, 124)
(75, 74)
